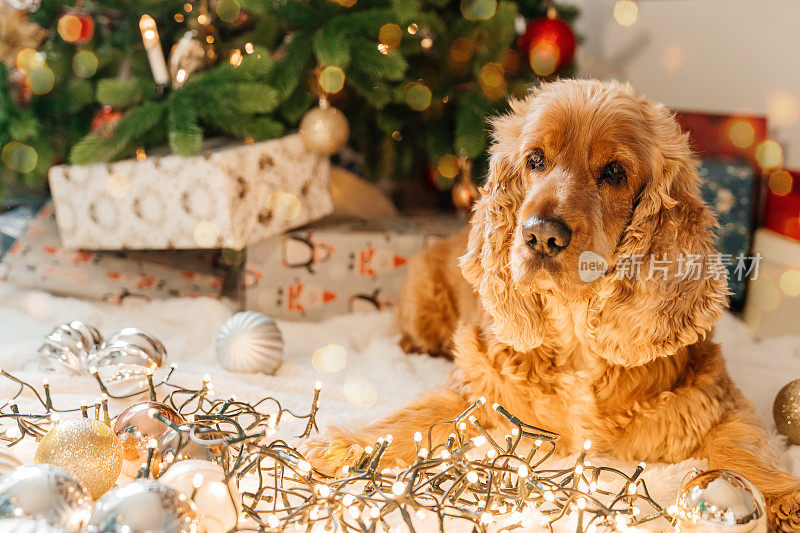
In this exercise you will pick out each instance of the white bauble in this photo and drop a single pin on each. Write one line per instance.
(217, 504)
(250, 342)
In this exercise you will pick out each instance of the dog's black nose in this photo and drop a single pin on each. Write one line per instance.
(548, 236)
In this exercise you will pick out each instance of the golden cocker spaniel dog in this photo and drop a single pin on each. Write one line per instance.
(576, 168)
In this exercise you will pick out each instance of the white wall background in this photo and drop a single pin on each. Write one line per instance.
(704, 55)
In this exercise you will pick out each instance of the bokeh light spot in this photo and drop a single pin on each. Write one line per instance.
(478, 9)
(84, 63)
(448, 166)
(39, 305)
(69, 28)
(329, 359)
(769, 154)
(544, 58)
(20, 157)
(228, 10)
(233, 256)
(492, 80)
(418, 96)
(764, 293)
(626, 12)
(118, 185)
(41, 79)
(331, 79)
(284, 205)
(359, 391)
(206, 234)
(672, 58)
(790, 282)
(28, 58)
(741, 133)
(390, 34)
(783, 108)
(780, 182)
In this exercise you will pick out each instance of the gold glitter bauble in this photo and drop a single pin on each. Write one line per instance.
(86, 448)
(786, 411)
(325, 130)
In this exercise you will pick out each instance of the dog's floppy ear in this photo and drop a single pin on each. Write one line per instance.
(516, 316)
(639, 316)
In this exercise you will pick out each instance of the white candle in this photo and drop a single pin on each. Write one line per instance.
(155, 55)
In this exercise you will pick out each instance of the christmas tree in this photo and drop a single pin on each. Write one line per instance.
(415, 79)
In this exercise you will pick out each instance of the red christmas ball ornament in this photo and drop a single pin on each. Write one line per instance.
(104, 122)
(549, 44)
(76, 27)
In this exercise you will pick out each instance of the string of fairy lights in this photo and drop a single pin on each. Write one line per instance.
(479, 481)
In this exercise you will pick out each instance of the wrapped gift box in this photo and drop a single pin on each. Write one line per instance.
(334, 268)
(728, 188)
(782, 209)
(230, 196)
(38, 261)
(773, 297)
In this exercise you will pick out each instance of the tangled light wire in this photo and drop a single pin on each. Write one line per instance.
(487, 484)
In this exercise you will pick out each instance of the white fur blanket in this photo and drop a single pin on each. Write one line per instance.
(377, 376)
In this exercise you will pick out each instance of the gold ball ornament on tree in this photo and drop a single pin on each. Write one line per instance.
(86, 448)
(786, 411)
(324, 129)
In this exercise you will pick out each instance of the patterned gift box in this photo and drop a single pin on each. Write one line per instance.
(38, 261)
(334, 268)
(230, 196)
(773, 297)
(782, 209)
(728, 189)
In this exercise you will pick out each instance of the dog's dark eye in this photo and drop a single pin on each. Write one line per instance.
(536, 160)
(613, 173)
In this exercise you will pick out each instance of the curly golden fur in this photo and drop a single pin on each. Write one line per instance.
(622, 360)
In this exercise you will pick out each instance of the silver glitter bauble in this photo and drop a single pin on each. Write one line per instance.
(70, 347)
(721, 501)
(143, 505)
(124, 361)
(47, 494)
(250, 342)
(324, 129)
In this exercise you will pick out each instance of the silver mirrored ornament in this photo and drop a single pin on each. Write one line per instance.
(70, 347)
(721, 501)
(143, 505)
(45, 493)
(250, 342)
(125, 360)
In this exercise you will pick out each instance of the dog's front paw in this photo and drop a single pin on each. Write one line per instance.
(784, 512)
(330, 451)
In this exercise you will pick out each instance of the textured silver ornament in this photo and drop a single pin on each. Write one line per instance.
(143, 505)
(721, 501)
(70, 346)
(45, 493)
(124, 361)
(250, 342)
